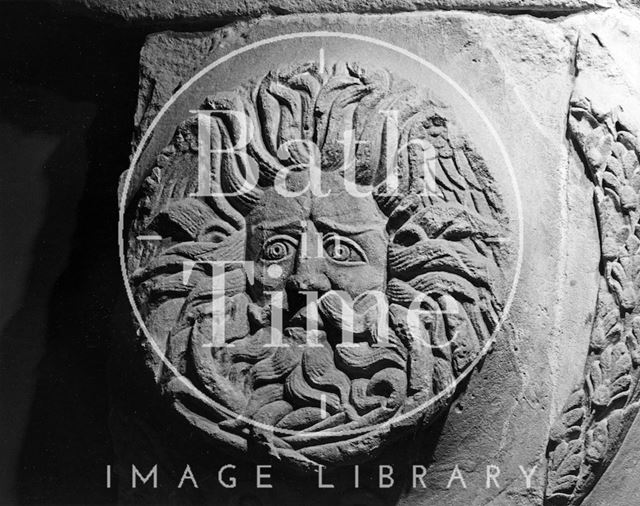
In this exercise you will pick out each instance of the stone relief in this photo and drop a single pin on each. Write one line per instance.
(598, 414)
(317, 399)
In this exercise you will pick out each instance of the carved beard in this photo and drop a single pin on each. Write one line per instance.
(309, 399)
(312, 381)
(305, 388)
(308, 389)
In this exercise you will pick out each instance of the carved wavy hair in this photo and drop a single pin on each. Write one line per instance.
(442, 246)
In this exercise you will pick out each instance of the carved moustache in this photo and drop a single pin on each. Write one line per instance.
(311, 381)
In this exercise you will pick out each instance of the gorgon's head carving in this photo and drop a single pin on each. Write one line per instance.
(385, 235)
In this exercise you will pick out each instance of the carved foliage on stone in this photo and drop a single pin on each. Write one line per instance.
(597, 415)
(439, 242)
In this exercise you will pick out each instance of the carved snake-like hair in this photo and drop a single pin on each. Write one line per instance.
(442, 242)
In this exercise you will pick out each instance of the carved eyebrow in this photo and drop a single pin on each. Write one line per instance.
(347, 229)
(281, 225)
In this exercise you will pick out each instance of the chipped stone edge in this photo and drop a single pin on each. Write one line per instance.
(207, 13)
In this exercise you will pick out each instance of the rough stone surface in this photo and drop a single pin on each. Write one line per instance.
(202, 11)
(560, 96)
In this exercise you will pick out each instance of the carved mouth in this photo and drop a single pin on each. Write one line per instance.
(304, 320)
(310, 380)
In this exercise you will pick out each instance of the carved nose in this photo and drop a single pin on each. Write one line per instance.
(309, 276)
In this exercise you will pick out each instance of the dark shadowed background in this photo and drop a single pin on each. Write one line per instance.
(68, 87)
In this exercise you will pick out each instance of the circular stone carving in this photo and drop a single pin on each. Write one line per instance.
(430, 241)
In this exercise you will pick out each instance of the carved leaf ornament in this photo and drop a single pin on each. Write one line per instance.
(598, 414)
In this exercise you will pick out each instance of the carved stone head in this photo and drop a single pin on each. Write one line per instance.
(355, 222)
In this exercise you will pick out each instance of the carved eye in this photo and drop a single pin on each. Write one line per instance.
(278, 248)
(343, 250)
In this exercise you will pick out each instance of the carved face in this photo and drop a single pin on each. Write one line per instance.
(316, 244)
(375, 259)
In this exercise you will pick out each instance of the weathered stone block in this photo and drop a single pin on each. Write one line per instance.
(522, 117)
